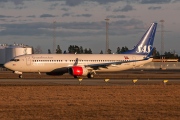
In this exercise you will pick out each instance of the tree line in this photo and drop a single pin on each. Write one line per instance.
(74, 49)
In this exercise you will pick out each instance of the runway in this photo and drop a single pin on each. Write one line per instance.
(144, 77)
(129, 74)
(85, 82)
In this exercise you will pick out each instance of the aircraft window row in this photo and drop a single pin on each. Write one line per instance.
(78, 60)
(16, 60)
(95, 60)
(98, 60)
(47, 60)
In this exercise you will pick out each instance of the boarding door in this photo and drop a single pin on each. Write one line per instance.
(28, 61)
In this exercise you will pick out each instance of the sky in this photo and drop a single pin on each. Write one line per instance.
(82, 22)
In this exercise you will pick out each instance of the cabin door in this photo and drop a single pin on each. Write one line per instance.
(28, 61)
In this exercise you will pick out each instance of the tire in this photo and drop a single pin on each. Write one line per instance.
(20, 76)
(90, 75)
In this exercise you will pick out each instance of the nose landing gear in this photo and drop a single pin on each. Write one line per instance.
(19, 73)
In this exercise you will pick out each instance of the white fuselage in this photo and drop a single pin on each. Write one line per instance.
(56, 62)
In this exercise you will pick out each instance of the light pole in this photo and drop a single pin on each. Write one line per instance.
(107, 37)
(162, 43)
(54, 37)
(162, 38)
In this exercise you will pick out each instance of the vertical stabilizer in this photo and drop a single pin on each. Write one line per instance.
(145, 45)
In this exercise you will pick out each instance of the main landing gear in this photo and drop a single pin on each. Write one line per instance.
(21, 76)
(90, 75)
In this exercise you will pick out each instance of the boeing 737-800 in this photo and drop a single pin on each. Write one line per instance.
(79, 65)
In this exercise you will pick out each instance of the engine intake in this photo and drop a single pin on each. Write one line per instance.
(78, 71)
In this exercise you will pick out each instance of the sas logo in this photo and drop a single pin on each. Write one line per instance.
(144, 49)
(126, 57)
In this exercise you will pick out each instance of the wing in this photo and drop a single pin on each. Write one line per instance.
(106, 65)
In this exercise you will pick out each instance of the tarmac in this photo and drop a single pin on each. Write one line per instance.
(86, 82)
(129, 77)
(129, 74)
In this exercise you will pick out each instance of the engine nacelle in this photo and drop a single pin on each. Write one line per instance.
(78, 71)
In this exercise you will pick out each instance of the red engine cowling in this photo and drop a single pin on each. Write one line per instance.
(78, 71)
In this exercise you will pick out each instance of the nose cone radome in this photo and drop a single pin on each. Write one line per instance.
(7, 65)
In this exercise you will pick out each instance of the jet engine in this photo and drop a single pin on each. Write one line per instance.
(78, 71)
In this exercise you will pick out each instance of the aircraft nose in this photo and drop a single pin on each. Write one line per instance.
(7, 65)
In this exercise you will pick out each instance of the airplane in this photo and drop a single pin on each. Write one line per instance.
(81, 65)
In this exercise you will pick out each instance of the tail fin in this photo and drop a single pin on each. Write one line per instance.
(145, 45)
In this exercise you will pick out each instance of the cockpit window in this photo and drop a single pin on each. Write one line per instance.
(16, 60)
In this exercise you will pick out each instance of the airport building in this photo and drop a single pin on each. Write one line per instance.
(7, 52)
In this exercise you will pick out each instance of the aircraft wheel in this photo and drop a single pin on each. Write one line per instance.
(90, 75)
(20, 76)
